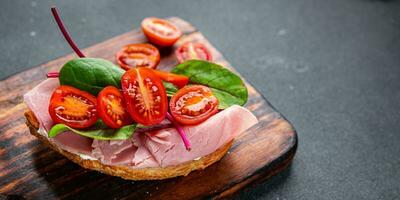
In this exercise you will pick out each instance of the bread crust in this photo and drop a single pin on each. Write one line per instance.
(126, 172)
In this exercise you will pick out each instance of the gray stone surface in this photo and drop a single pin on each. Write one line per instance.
(331, 67)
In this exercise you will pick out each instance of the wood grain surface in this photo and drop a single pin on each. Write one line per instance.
(31, 170)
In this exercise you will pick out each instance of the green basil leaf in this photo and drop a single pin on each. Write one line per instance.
(122, 133)
(170, 88)
(226, 86)
(90, 74)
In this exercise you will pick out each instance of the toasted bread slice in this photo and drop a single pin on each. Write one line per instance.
(126, 172)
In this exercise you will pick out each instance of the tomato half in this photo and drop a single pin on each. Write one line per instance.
(176, 79)
(138, 55)
(111, 108)
(160, 32)
(193, 51)
(193, 104)
(73, 107)
(145, 96)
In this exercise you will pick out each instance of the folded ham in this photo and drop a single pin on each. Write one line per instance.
(38, 100)
(153, 149)
(205, 138)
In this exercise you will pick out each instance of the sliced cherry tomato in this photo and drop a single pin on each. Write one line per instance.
(176, 79)
(193, 51)
(73, 107)
(145, 96)
(193, 104)
(111, 108)
(160, 32)
(138, 55)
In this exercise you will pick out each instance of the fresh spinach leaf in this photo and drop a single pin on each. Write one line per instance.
(104, 133)
(90, 74)
(170, 88)
(226, 86)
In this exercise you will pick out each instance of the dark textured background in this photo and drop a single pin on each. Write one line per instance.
(331, 67)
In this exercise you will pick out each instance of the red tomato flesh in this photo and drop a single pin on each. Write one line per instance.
(193, 104)
(193, 51)
(138, 55)
(73, 107)
(111, 108)
(160, 32)
(145, 96)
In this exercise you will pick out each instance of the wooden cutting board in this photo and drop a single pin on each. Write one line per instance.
(31, 170)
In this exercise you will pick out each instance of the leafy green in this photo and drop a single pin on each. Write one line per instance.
(170, 88)
(93, 74)
(90, 74)
(100, 131)
(225, 85)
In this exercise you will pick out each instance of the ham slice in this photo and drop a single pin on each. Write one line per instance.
(38, 100)
(151, 149)
(124, 152)
(167, 148)
(109, 151)
(74, 143)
